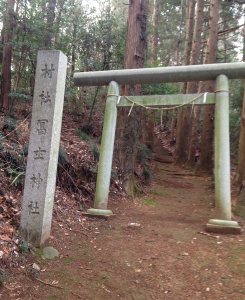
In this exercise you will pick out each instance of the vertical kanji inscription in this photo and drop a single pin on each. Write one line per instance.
(48, 72)
(44, 97)
(39, 154)
(41, 126)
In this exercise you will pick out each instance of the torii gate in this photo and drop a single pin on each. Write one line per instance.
(219, 72)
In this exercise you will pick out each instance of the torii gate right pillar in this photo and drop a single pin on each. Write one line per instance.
(222, 223)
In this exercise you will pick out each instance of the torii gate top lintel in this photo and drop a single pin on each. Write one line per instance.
(161, 74)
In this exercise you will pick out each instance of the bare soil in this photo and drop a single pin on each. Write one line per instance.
(163, 256)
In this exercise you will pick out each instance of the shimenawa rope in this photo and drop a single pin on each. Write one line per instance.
(162, 108)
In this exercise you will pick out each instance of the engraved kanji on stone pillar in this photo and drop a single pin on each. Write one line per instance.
(43, 150)
(44, 97)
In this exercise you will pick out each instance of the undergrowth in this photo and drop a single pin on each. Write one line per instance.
(83, 135)
(147, 174)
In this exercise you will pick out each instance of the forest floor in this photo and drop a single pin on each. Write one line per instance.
(153, 249)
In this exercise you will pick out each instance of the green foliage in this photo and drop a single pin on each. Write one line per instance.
(25, 149)
(3, 276)
(19, 96)
(13, 159)
(150, 202)
(23, 246)
(147, 174)
(83, 135)
(144, 153)
(236, 95)
(12, 156)
(10, 123)
(99, 140)
(92, 170)
(96, 152)
(159, 89)
(51, 297)
(236, 101)
(235, 121)
(16, 176)
(91, 38)
(88, 128)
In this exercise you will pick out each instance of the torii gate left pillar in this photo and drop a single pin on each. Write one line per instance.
(106, 155)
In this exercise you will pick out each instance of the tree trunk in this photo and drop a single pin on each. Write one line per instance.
(58, 23)
(196, 44)
(205, 163)
(190, 10)
(240, 171)
(184, 134)
(73, 55)
(179, 35)
(173, 123)
(7, 56)
(2, 42)
(150, 131)
(178, 133)
(50, 22)
(22, 64)
(192, 86)
(154, 34)
(129, 127)
(150, 117)
(136, 39)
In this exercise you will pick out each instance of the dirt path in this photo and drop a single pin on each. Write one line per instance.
(164, 258)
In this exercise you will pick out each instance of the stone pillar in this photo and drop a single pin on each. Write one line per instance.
(223, 222)
(106, 154)
(43, 150)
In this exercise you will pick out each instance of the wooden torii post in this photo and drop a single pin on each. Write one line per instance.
(221, 73)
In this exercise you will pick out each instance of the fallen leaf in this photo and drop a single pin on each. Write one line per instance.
(4, 238)
(36, 267)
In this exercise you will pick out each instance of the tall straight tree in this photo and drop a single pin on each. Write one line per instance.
(190, 11)
(154, 33)
(151, 117)
(136, 38)
(57, 25)
(50, 22)
(205, 163)
(192, 86)
(129, 127)
(7, 56)
(240, 171)
(179, 34)
(184, 121)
